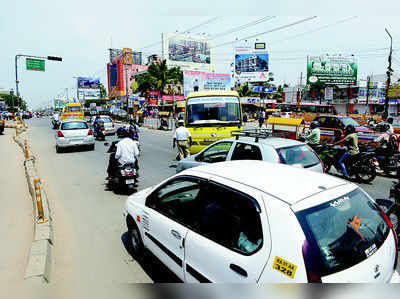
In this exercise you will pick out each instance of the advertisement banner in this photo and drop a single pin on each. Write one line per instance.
(188, 52)
(332, 70)
(88, 83)
(127, 56)
(114, 54)
(88, 94)
(251, 64)
(201, 81)
(59, 103)
(2, 105)
(394, 91)
(328, 93)
(264, 89)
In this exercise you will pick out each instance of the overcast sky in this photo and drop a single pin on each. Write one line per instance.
(82, 31)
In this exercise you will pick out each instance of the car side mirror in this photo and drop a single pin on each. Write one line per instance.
(199, 158)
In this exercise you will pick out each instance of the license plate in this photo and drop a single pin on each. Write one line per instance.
(76, 140)
(130, 181)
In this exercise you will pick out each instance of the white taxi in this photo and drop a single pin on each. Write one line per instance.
(253, 221)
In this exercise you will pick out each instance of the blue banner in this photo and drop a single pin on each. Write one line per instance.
(90, 83)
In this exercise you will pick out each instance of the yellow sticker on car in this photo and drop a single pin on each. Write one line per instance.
(284, 267)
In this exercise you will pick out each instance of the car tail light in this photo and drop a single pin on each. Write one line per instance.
(60, 134)
(389, 223)
(90, 132)
(310, 263)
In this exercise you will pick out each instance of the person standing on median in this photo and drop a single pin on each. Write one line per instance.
(181, 137)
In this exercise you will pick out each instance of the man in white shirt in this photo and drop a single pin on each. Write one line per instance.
(127, 152)
(181, 137)
(388, 132)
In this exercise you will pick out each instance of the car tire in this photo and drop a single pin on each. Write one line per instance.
(91, 147)
(58, 149)
(136, 242)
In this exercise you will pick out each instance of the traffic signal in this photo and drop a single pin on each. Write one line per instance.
(54, 58)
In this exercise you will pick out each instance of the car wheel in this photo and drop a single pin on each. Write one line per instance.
(58, 149)
(91, 147)
(136, 242)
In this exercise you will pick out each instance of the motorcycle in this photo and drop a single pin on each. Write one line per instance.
(391, 206)
(387, 161)
(361, 165)
(99, 132)
(125, 177)
(56, 124)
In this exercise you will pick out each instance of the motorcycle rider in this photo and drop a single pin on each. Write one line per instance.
(126, 152)
(181, 137)
(314, 137)
(351, 140)
(55, 118)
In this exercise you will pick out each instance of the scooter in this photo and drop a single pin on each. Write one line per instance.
(99, 132)
(388, 162)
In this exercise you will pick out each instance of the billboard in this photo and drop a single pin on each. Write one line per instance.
(114, 53)
(340, 70)
(188, 52)
(394, 91)
(202, 81)
(89, 83)
(88, 94)
(251, 63)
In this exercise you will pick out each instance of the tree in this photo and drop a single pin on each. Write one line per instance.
(103, 91)
(12, 99)
(158, 76)
(244, 90)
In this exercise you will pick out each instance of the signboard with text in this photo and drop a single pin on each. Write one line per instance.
(251, 63)
(201, 81)
(35, 64)
(335, 70)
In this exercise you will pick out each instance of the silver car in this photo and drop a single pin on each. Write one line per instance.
(270, 149)
(109, 126)
(73, 133)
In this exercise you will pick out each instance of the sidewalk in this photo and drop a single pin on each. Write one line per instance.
(16, 216)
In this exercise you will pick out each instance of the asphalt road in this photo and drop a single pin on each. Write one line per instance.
(88, 220)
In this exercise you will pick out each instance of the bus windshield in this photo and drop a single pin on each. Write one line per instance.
(74, 109)
(213, 110)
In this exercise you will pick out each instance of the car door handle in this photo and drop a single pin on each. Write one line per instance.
(238, 270)
(176, 234)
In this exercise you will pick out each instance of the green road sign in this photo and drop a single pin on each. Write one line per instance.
(34, 64)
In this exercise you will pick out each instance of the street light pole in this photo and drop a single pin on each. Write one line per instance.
(388, 73)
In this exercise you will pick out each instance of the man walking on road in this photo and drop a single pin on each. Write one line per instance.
(181, 137)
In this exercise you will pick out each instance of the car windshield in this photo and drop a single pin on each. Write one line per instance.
(74, 126)
(300, 155)
(345, 231)
(207, 110)
(349, 121)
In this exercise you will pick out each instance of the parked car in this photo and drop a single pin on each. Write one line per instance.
(74, 133)
(109, 126)
(240, 221)
(270, 149)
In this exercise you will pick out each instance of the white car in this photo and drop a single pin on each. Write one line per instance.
(74, 133)
(109, 126)
(252, 221)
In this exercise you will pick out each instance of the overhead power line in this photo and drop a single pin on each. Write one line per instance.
(242, 27)
(316, 29)
(269, 31)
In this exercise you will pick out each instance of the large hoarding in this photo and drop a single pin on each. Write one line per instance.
(336, 70)
(88, 88)
(202, 81)
(251, 63)
(188, 52)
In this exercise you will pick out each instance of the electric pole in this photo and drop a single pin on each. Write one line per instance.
(368, 82)
(388, 73)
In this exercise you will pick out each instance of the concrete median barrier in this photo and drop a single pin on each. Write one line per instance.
(39, 263)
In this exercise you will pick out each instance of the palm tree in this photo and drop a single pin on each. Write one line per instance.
(244, 90)
(162, 76)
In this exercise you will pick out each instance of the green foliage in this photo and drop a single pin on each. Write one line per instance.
(103, 91)
(18, 102)
(158, 77)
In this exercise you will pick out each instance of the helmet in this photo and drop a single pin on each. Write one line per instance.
(314, 124)
(121, 132)
(390, 120)
(350, 129)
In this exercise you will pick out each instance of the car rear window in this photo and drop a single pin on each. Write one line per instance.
(298, 155)
(74, 126)
(344, 231)
(106, 119)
